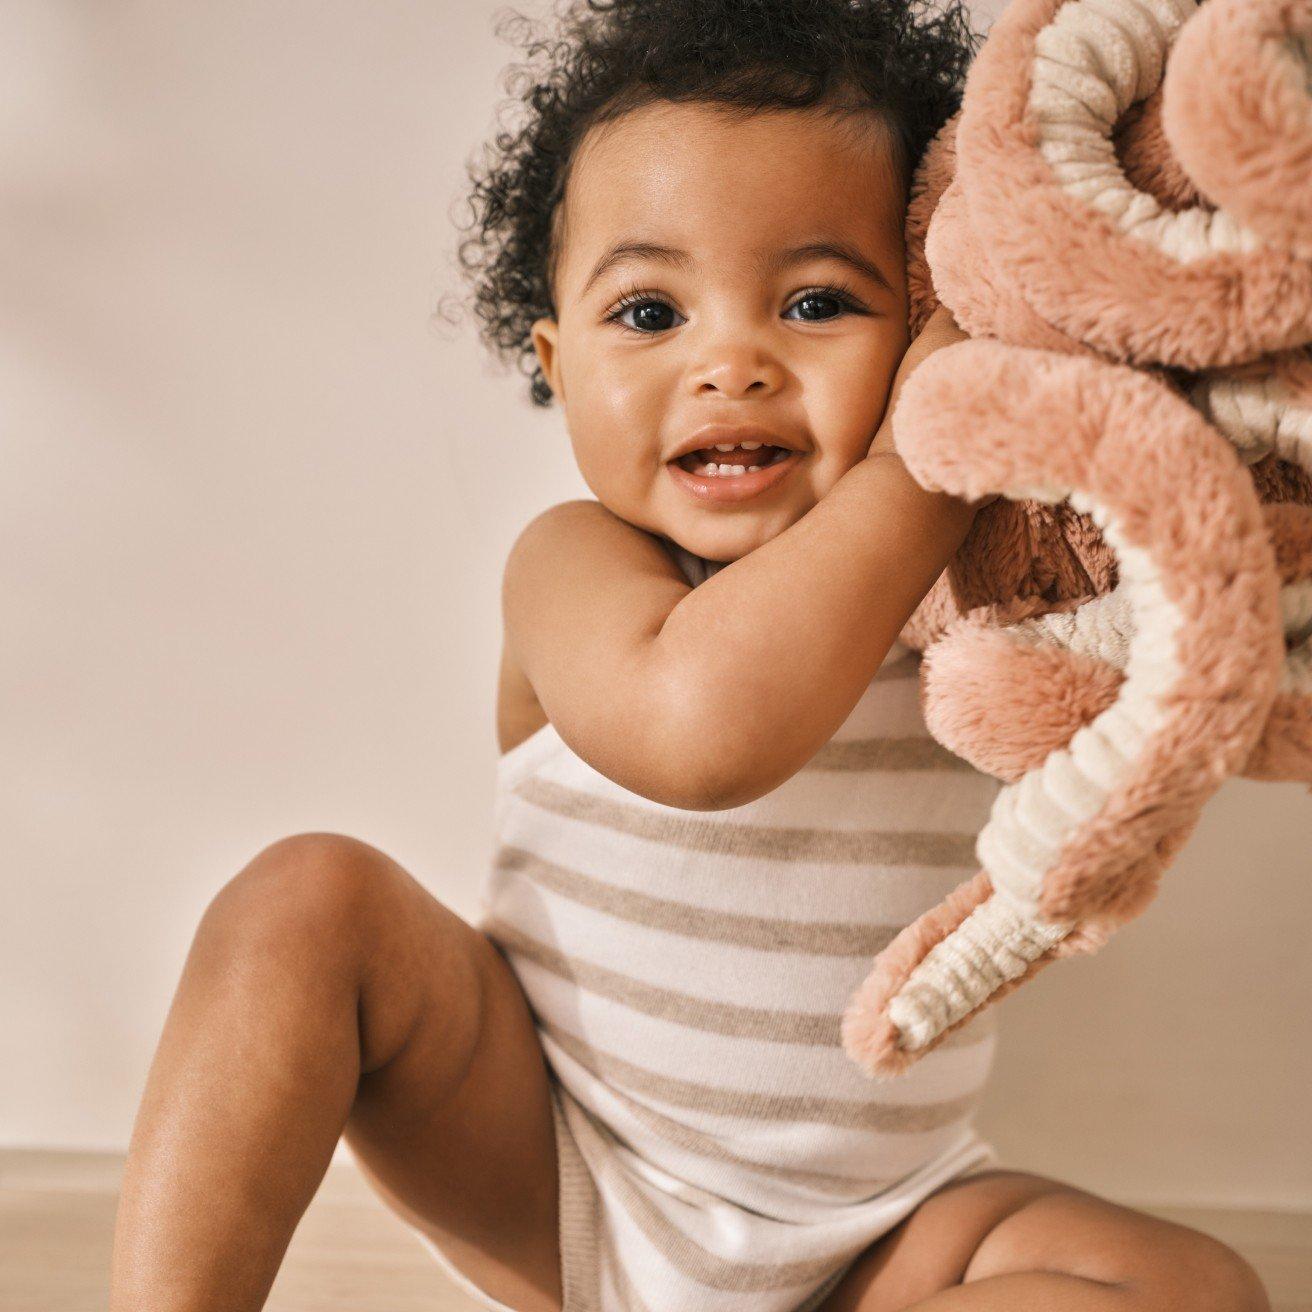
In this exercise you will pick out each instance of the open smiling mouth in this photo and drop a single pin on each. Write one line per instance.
(716, 476)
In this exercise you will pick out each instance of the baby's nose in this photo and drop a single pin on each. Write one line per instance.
(736, 370)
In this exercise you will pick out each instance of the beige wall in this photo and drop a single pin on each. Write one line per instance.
(254, 508)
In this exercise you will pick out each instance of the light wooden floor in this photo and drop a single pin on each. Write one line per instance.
(350, 1254)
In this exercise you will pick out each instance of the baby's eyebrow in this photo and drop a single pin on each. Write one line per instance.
(767, 262)
(830, 249)
(624, 251)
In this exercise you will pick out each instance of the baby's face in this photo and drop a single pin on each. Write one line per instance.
(735, 324)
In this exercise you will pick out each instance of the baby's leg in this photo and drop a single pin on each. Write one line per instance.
(1009, 1241)
(326, 992)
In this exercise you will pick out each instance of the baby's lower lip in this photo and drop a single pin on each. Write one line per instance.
(728, 489)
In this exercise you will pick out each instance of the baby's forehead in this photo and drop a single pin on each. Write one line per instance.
(673, 142)
(742, 180)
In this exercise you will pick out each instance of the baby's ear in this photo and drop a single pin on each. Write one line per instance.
(545, 334)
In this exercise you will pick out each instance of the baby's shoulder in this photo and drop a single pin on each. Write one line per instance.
(580, 548)
(578, 528)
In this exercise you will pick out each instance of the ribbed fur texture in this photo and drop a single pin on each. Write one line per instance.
(1147, 159)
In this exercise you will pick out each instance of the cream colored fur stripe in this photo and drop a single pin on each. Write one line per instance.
(1033, 818)
(1258, 415)
(683, 830)
(1091, 63)
(766, 934)
(889, 1118)
(1102, 628)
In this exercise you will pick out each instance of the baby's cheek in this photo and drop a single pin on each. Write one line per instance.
(847, 415)
(627, 388)
(625, 473)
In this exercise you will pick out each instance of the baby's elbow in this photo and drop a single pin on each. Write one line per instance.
(717, 798)
(709, 770)
(684, 796)
(685, 782)
(737, 789)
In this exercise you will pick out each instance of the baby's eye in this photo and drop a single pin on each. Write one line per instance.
(824, 298)
(650, 316)
(648, 313)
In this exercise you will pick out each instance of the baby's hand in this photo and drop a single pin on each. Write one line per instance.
(940, 330)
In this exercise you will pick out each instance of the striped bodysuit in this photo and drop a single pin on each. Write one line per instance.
(687, 971)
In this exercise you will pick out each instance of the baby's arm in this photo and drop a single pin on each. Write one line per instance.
(709, 697)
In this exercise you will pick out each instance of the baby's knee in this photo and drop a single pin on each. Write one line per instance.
(1165, 1264)
(1205, 1274)
(310, 892)
(1029, 1223)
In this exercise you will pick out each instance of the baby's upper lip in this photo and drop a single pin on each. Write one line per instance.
(713, 434)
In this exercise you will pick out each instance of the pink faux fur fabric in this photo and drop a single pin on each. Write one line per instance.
(1250, 153)
(868, 1034)
(1048, 411)
(1080, 272)
(1149, 164)
(980, 702)
(984, 416)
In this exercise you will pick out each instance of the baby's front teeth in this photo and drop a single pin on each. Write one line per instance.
(726, 471)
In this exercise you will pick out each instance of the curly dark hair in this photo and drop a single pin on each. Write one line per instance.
(896, 57)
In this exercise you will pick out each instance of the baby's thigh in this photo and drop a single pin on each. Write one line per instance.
(451, 1121)
(1000, 1223)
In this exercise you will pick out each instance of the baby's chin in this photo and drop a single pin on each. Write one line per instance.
(717, 536)
(721, 533)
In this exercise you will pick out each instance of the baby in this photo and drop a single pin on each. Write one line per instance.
(623, 1089)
